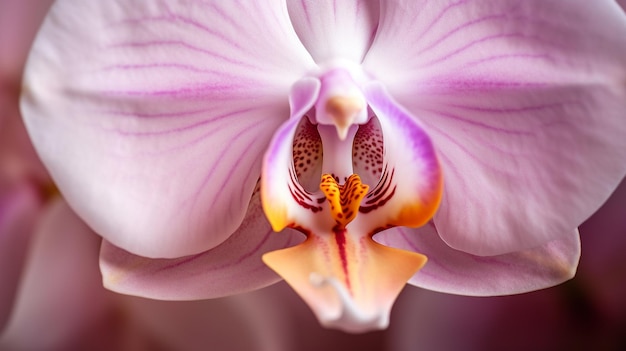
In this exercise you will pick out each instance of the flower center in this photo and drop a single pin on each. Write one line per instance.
(340, 103)
(344, 199)
(341, 169)
(343, 111)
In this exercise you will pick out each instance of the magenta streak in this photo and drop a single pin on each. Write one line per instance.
(412, 246)
(306, 14)
(478, 124)
(253, 176)
(164, 65)
(303, 194)
(184, 113)
(230, 115)
(477, 85)
(381, 182)
(507, 173)
(286, 27)
(477, 42)
(237, 162)
(159, 114)
(382, 202)
(300, 195)
(225, 15)
(431, 258)
(434, 259)
(418, 142)
(340, 239)
(495, 147)
(491, 59)
(459, 28)
(195, 141)
(505, 16)
(245, 195)
(382, 186)
(357, 12)
(378, 200)
(198, 91)
(304, 204)
(239, 260)
(511, 110)
(177, 19)
(179, 43)
(438, 18)
(451, 167)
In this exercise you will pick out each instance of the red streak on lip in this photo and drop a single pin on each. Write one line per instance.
(340, 239)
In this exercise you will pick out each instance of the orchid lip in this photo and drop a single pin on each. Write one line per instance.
(358, 160)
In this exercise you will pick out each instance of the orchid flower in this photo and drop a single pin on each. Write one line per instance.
(476, 135)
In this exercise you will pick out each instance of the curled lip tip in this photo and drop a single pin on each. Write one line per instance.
(349, 317)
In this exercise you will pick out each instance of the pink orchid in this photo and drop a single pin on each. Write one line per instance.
(479, 134)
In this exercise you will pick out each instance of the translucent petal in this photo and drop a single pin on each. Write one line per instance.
(457, 272)
(333, 30)
(411, 182)
(282, 195)
(524, 103)
(152, 116)
(233, 267)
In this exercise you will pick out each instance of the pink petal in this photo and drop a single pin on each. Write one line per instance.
(61, 293)
(452, 271)
(233, 267)
(283, 197)
(411, 182)
(335, 29)
(19, 207)
(525, 104)
(152, 117)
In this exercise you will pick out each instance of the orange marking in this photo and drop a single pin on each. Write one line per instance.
(344, 199)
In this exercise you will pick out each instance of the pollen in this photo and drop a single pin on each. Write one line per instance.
(344, 199)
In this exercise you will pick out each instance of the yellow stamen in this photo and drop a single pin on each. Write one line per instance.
(344, 199)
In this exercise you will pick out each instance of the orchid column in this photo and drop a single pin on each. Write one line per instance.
(477, 134)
